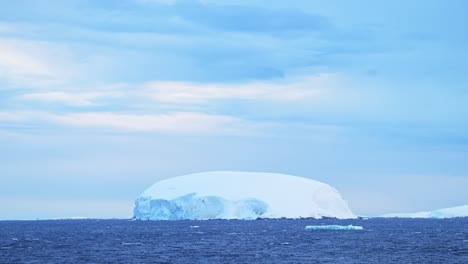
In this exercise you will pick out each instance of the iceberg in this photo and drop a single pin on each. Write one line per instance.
(334, 227)
(458, 211)
(239, 195)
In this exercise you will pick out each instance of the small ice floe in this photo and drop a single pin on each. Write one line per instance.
(131, 244)
(334, 227)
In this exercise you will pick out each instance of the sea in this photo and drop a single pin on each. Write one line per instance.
(382, 240)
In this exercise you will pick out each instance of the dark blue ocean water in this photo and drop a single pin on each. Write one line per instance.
(234, 241)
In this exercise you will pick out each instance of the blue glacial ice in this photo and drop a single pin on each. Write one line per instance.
(195, 207)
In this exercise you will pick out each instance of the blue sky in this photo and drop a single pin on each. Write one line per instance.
(100, 99)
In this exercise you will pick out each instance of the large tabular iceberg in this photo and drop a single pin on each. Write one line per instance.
(239, 195)
(459, 211)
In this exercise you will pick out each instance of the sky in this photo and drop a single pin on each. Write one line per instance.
(101, 99)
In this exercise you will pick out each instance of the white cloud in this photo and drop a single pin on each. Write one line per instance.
(185, 92)
(181, 122)
(311, 88)
(46, 65)
(20, 58)
(73, 99)
(174, 122)
(35, 64)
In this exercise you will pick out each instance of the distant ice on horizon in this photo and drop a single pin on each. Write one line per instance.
(458, 211)
(239, 195)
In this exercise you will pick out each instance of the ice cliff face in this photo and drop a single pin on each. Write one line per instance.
(239, 195)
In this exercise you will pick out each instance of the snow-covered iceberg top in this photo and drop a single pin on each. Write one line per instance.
(459, 211)
(239, 195)
(334, 227)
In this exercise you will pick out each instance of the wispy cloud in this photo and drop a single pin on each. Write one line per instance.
(20, 59)
(44, 65)
(179, 122)
(67, 98)
(36, 64)
(186, 92)
(309, 88)
(174, 122)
